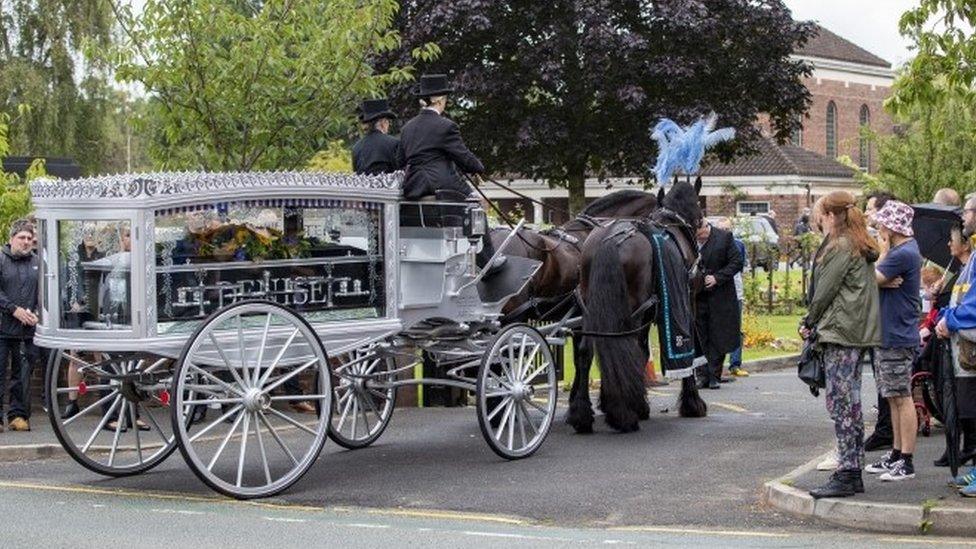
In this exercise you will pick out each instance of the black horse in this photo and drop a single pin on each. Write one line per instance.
(617, 282)
(559, 250)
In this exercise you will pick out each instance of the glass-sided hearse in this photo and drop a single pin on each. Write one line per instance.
(264, 313)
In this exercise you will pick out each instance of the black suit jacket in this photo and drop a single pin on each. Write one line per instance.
(432, 151)
(717, 309)
(376, 153)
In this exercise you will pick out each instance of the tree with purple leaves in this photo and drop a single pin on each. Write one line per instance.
(567, 89)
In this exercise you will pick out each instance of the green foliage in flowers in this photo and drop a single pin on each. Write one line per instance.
(248, 85)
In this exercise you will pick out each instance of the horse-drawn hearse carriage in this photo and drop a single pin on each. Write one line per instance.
(224, 301)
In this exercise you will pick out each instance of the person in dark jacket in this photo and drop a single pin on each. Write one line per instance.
(434, 155)
(377, 151)
(18, 306)
(431, 148)
(717, 315)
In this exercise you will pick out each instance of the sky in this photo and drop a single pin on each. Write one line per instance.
(871, 24)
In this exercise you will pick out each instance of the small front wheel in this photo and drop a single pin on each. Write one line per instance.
(363, 396)
(516, 392)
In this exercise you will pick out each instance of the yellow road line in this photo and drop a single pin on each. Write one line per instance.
(929, 541)
(674, 530)
(171, 496)
(730, 407)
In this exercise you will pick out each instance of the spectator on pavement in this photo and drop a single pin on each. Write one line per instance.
(947, 197)
(843, 313)
(735, 358)
(717, 314)
(882, 437)
(961, 315)
(899, 278)
(18, 316)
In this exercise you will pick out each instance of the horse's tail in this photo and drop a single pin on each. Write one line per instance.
(621, 363)
(690, 403)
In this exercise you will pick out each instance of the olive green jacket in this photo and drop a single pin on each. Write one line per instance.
(844, 301)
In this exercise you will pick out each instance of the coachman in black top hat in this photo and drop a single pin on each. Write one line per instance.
(377, 151)
(434, 155)
(431, 147)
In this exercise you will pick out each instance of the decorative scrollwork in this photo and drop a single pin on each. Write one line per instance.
(178, 183)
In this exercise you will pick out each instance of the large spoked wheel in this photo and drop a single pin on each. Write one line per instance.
(363, 400)
(108, 411)
(234, 388)
(516, 392)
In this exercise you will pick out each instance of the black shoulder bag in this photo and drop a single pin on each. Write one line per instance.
(810, 368)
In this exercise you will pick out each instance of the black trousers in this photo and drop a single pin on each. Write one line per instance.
(22, 354)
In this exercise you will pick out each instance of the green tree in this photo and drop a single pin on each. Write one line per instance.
(945, 61)
(14, 193)
(250, 84)
(334, 158)
(41, 65)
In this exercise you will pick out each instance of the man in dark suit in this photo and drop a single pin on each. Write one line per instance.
(377, 151)
(716, 306)
(431, 147)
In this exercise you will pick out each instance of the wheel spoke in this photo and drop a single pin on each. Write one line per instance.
(215, 379)
(537, 406)
(362, 410)
(240, 460)
(536, 372)
(89, 408)
(240, 350)
(355, 415)
(501, 424)
(223, 443)
(379, 394)
(293, 422)
(521, 422)
(74, 389)
(281, 353)
(511, 426)
(499, 408)
(208, 401)
(261, 347)
(274, 434)
(119, 420)
(230, 367)
(528, 418)
(345, 410)
(135, 426)
(264, 454)
(215, 422)
(155, 425)
(284, 379)
(298, 397)
(101, 424)
(521, 362)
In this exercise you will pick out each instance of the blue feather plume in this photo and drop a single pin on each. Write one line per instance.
(684, 148)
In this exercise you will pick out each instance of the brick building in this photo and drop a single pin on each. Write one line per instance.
(848, 86)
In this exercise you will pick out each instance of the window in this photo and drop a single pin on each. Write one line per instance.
(95, 260)
(796, 138)
(750, 208)
(831, 130)
(864, 150)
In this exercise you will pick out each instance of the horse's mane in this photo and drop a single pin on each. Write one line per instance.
(614, 200)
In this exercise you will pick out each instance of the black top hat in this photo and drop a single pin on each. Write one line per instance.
(373, 109)
(432, 85)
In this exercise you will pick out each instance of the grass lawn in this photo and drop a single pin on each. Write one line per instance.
(782, 327)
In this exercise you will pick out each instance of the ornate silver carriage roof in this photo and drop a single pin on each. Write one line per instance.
(161, 189)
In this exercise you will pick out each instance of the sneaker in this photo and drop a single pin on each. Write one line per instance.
(19, 424)
(738, 372)
(899, 471)
(303, 407)
(829, 464)
(881, 466)
(969, 491)
(964, 479)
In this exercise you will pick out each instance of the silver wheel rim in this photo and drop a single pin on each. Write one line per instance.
(105, 433)
(517, 384)
(240, 366)
(361, 410)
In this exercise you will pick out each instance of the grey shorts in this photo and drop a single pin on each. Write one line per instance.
(893, 370)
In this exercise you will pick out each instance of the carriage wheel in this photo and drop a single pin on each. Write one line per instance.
(113, 428)
(516, 392)
(232, 390)
(361, 409)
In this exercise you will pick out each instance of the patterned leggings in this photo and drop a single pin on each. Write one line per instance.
(843, 369)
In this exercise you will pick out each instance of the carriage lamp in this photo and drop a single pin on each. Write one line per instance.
(477, 222)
